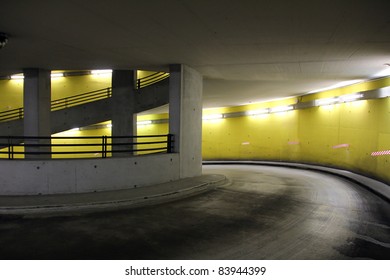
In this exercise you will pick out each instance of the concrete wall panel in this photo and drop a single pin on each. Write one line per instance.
(33, 177)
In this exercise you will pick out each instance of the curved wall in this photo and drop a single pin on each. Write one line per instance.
(342, 135)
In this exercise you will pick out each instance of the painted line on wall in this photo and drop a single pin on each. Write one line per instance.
(380, 153)
(340, 146)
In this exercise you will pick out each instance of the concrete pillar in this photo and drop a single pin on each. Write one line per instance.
(185, 117)
(37, 103)
(123, 116)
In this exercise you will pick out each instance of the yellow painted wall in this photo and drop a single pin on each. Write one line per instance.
(142, 73)
(11, 94)
(316, 135)
(73, 85)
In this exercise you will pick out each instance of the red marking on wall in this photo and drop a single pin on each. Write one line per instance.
(380, 153)
(341, 146)
(293, 142)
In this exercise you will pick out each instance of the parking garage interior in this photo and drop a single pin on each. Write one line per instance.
(195, 130)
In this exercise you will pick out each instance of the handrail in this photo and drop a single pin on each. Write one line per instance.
(63, 103)
(12, 114)
(81, 99)
(151, 79)
(96, 146)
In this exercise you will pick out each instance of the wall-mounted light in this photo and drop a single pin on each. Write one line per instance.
(383, 92)
(257, 112)
(326, 101)
(17, 77)
(281, 109)
(212, 117)
(101, 72)
(56, 75)
(21, 76)
(350, 97)
(144, 122)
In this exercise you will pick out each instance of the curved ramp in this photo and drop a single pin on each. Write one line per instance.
(91, 110)
(264, 213)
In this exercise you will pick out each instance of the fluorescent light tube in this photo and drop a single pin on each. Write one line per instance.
(56, 75)
(17, 77)
(350, 97)
(326, 101)
(101, 72)
(212, 117)
(257, 112)
(281, 109)
(144, 122)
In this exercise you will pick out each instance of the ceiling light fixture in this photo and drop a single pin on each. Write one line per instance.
(3, 39)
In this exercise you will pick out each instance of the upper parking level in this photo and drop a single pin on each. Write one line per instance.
(11, 94)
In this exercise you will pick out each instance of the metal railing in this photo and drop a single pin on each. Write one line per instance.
(83, 98)
(13, 114)
(75, 100)
(21, 147)
(151, 79)
(62, 103)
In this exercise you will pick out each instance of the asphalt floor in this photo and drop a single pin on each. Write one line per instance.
(101, 201)
(258, 212)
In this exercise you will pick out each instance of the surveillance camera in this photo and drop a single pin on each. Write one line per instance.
(3, 40)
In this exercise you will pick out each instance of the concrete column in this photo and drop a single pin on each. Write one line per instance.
(185, 117)
(123, 113)
(37, 103)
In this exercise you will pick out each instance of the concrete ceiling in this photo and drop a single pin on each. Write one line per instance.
(248, 51)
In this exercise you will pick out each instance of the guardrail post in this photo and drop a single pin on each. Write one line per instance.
(10, 149)
(104, 146)
(138, 83)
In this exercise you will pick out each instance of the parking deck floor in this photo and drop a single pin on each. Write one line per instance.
(262, 212)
